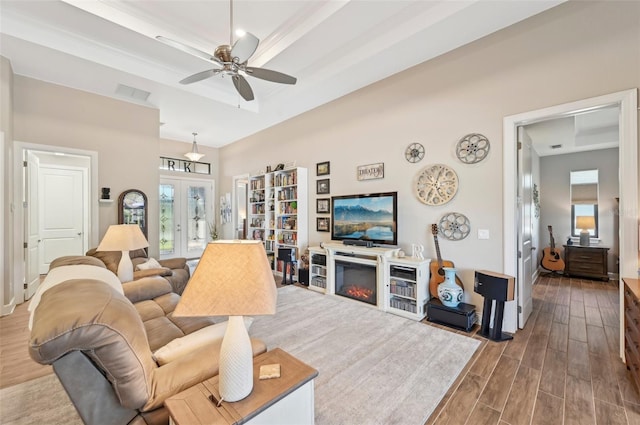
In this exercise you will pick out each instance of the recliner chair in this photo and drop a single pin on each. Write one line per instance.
(96, 341)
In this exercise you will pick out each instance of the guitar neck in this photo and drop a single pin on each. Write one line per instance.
(435, 240)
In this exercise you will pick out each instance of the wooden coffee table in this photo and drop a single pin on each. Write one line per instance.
(284, 400)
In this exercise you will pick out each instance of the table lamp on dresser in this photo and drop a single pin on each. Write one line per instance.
(232, 278)
(586, 223)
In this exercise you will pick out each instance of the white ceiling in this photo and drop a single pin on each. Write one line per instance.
(332, 47)
(579, 132)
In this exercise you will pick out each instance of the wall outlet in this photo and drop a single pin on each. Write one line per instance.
(483, 233)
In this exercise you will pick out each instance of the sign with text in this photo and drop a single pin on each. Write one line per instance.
(184, 166)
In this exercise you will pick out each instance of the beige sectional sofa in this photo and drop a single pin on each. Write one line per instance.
(104, 340)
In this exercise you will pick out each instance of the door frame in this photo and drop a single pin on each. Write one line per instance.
(17, 271)
(234, 203)
(627, 100)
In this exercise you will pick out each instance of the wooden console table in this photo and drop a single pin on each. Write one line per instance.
(284, 400)
(586, 261)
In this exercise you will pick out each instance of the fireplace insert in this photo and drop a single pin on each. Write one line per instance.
(356, 281)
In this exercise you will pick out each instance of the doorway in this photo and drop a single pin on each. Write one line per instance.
(57, 188)
(186, 217)
(628, 186)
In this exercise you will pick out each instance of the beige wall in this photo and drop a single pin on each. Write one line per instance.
(124, 135)
(574, 51)
(555, 199)
(6, 126)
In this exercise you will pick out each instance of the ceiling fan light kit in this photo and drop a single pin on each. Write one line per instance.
(231, 59)
(194, 155)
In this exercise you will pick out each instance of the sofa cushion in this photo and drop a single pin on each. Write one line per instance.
(61, 274)
(91, 316)
(76, 260)
(111, 259)
(151, 263)
(190, 342)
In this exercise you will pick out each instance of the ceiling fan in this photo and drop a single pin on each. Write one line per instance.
(231, 59)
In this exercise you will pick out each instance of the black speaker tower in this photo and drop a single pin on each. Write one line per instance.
(494, 287)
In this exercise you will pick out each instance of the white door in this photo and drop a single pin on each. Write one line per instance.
(186, 214)
(526, 255)
(32, 219)
(62, 199)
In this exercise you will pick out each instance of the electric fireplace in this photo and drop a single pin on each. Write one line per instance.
(356, 281)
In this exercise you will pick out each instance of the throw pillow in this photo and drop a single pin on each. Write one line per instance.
(152, 263)
(186, 344)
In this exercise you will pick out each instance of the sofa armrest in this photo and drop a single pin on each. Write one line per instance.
(189, 370)
(174, 263)
(146, 288)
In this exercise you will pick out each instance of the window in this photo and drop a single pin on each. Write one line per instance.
(584, 200)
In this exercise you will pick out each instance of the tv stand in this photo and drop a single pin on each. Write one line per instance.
(402, 284)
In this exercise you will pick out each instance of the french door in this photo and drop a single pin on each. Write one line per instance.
(186, 214)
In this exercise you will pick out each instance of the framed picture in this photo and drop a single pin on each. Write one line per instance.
(322, 224)
(323, 168)
(370, 171)
(322, 205)
(322, 187)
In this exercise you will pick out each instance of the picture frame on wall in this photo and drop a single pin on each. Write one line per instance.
(323, 168)
(322, 187)
(322, 224)
(322, 205)
(370, 171)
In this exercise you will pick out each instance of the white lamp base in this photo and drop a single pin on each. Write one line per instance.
(236, 361)
(125, 268)
(584, 238)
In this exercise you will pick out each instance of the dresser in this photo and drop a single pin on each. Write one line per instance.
(632, 328)
(586, 261)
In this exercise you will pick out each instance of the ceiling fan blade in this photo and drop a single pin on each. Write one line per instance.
(200, 76)
(244, 47)
(243, 87)
(188, 49)
(269, 75)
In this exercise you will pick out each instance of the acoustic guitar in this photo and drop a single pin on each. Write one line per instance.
(551, 258)
(436, 267)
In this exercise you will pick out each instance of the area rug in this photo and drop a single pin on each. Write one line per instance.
(374, 367)
(39, 401)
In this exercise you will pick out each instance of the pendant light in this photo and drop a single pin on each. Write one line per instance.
(194, 155)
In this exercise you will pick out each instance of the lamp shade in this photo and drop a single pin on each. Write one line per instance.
(232, 278)
(585, 222)
(123, 237)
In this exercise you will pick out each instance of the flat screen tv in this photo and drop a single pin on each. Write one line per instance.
(371, 217)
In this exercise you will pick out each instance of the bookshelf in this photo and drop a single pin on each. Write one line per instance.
(278, 212)
(407, 287)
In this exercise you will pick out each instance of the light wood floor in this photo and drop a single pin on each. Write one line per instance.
(563, 368)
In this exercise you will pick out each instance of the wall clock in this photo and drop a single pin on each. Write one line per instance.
(414, 152)
(472, 148)
(437, 184)
(454, 226)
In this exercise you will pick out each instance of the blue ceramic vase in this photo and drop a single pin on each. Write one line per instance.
(449, 293)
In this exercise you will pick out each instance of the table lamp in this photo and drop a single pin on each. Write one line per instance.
(232, 278)
(125, 238)
(586, 223)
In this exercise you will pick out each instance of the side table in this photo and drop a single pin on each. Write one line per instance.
(284, 400)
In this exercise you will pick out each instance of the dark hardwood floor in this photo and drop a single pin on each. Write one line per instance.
(562, 368)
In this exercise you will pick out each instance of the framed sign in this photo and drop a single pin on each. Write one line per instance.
(370, 171)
